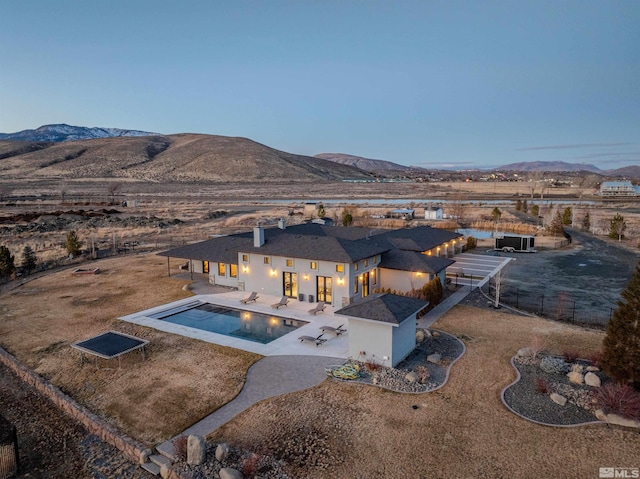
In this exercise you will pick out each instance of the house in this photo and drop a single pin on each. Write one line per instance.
(618, 188)
(402, 213)
(433, 213)
(313, 262)
(383, 327)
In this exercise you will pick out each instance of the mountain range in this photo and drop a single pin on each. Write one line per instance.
(77, 151)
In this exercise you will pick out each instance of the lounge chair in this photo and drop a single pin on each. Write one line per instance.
(318, 340)
(283, 302)
(329, 329)
(252, 297)
(319, 308)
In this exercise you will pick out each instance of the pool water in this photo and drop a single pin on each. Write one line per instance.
(258, 327)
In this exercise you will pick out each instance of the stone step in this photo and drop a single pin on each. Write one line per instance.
(160, 460)
(166, 449)
(151, 467)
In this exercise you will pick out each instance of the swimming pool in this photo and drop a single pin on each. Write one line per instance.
(257, 327)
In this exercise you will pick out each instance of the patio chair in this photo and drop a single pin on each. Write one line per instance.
(329, 329)
(283, 302)
(319, 308)
(252, 297)
(318, 340)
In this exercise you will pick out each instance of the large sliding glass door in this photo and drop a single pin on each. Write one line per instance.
(323, 289)
(290, 284)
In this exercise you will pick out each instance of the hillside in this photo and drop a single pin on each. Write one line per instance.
(63, 132)
(182, 157)
(366, 164)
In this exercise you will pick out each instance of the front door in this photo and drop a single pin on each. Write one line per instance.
(205, 267)
(324, 289)
(365, 284)
(290, 284)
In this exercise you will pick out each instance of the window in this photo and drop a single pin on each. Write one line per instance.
(375, 276)
(313, 265)
(289, 263)
(222, 269)
(233, 270)
(267, 260)
(365, 284)
(366, 263)
(375, 259)
(290, 284)
(323, 289)
(355, 266)
(245, 258)
(205, 266)
(355, 285)
(339, 268)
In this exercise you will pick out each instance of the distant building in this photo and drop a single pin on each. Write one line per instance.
(433, 213)
(619, 188)
(403, 213)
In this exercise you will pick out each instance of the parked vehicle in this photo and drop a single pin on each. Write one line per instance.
(514, 243)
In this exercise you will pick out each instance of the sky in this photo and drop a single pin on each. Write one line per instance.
(438, 84)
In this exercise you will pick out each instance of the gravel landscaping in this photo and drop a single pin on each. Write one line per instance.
(524, 398)
(443, 350)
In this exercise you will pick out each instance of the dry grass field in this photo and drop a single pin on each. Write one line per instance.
(182, 379)
(462, 430)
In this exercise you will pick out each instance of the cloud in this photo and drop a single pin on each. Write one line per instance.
(566, 147)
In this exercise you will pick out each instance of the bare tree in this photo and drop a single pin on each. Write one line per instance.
(112, 189)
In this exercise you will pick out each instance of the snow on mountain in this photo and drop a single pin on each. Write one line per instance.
(61, 132)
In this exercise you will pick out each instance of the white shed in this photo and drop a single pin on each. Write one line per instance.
(433, 213)
(382, 328)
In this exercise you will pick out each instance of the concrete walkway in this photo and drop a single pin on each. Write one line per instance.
(269, 377)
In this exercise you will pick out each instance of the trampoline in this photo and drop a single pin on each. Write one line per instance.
(110, 345)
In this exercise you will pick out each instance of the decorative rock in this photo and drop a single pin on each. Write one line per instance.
(186, 287)
(228, 473)
(222, 451)
(600, 415)
(165, 471)
(575, 377)
(556, 398)
(592, 380)
(144, 455)
(411, 377)
(593, 369)
(434, 358)
(577, 368)
(196, 449)
(622, 421)
(524, 353)
(435, 334)
(427, 333)
(419, 336)
(374, 380)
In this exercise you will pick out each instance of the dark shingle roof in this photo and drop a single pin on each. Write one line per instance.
(422, 238)
(387, 308)
(413, 261)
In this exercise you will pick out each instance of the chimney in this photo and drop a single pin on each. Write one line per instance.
(258, 236)
(281, 224)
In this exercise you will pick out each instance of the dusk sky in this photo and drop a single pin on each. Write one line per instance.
(431, 83)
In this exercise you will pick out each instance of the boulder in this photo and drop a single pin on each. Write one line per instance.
(577, 368)
(196, 450)
(434, 358)
(524, 353)
(144, 455)
(228, 473)
(600, 415)
(419, 336)
(427, 333)
(591, 379)
(222, 451)
(575, 377)
(558, 399)
(411, 377)
(622, 421)
(165, 471)
(593, 369)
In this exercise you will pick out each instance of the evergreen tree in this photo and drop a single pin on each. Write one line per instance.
(347, 219)
(586, 222)
(321, 211)
(621, 359)
(555, 227)
(535, 210)
(73, 244)
(496, 214)
(518, 205)
(525, 206)
(617, 227)
(567, 216)
(7, 265)
(29, 260)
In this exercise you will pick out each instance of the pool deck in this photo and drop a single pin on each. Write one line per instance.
(287, 345)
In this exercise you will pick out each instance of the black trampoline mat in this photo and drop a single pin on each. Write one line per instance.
(110, 344)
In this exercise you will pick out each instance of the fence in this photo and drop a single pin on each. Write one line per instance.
(8, 449)
(557, 306)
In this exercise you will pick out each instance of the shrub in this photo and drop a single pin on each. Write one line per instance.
(537, 345)
(180, 447)
(423, 374)
(595, 359)
(371, 366)
(472, 243)
(619, 399)
(570, 355)
(250, 465)
(542, 386)
(553, 365)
